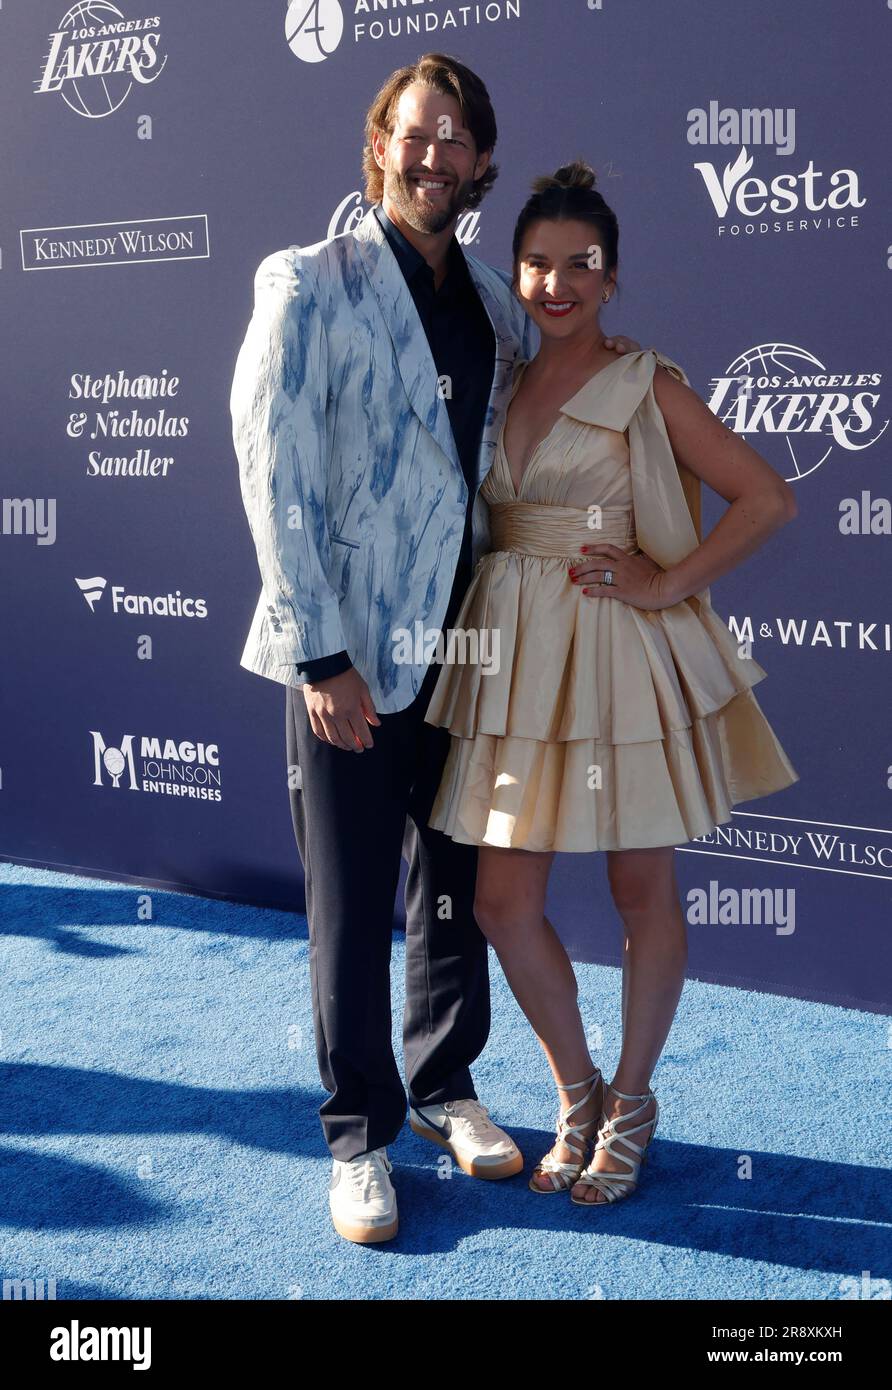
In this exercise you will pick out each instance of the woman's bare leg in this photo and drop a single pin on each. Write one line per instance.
(510, 909)
(644, 889)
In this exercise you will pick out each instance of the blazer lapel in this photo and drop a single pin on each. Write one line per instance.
(411, 348)
(507, 348)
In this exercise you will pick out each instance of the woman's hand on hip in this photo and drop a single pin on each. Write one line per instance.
(637, 579)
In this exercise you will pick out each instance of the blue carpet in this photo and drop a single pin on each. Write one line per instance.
(160, 1132)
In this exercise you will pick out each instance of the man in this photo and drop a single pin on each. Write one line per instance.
(367, 400)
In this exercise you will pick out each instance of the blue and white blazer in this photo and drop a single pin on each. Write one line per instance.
(349, 473)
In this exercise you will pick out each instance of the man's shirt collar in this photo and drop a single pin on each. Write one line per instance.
(410, 258)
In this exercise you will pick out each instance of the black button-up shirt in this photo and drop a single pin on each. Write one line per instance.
(462, 345)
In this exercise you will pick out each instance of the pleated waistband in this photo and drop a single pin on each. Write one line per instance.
(535, 529)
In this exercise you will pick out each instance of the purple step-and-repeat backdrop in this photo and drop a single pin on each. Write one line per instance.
(153, 155)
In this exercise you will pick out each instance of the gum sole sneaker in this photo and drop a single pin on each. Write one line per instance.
(464, 1129)
(362, 1199)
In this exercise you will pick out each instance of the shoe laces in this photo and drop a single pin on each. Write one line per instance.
(475, 1116)
(365, 1175)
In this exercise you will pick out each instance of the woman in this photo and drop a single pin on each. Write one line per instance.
(621, 715)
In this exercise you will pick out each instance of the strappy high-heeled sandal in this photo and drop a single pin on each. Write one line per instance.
(616, 1186)
(564, 1174)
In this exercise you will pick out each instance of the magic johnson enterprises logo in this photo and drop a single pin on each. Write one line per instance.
(760, 193)
(173, 605)
(783, 393)
(97, 54)
(126, 408)
(165, 766)
(350, 211)
(314, 28)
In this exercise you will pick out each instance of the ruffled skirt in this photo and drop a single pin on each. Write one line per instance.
(596, 725)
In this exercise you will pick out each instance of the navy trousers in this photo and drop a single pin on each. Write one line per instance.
(354, 815)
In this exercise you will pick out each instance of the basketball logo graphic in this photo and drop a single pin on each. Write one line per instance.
(781, 392)
(92, 69)
(114, 763)
(313, 29)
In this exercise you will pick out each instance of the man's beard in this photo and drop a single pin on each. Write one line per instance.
(401, 192)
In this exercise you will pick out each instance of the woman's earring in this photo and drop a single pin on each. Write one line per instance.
(605, 296)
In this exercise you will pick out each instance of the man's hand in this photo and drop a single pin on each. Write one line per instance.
(622, 344)
(340, 709)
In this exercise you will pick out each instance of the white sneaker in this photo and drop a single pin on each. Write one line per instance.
(362, 1199)
(463, 1127)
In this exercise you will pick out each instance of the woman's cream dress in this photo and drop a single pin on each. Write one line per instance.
(601, 726)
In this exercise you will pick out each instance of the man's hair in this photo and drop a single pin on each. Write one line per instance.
(453, 79)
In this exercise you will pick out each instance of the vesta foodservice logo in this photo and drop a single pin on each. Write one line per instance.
(748, 190)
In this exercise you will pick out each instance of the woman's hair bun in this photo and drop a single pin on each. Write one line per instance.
(576, 174)
(569, 195)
